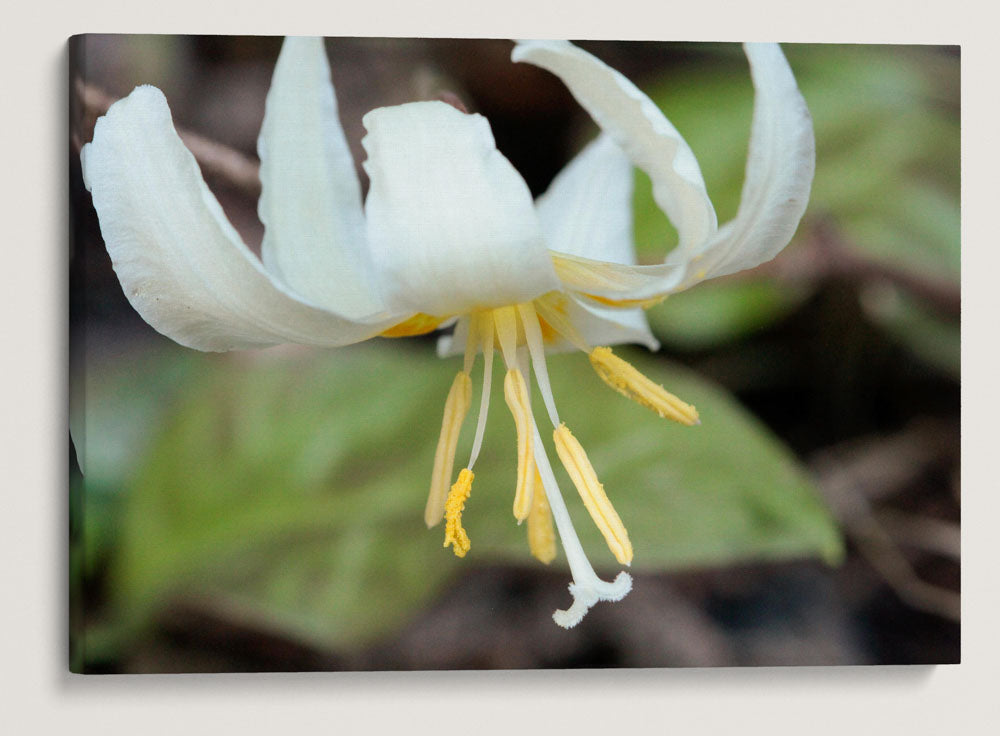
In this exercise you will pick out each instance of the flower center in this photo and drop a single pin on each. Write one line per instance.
(522, 331)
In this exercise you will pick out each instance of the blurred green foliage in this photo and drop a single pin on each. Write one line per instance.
(713, 313)
(887, 176)
(288, 490)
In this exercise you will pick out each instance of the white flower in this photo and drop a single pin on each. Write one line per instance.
(449, 232)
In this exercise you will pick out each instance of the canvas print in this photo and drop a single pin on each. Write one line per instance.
(420, 354)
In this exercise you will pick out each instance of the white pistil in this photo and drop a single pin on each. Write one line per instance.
(587, 588)
(536, 346)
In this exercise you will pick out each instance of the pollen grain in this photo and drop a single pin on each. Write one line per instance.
(454, 533)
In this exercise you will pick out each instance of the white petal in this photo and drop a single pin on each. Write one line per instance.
(779, 172)
(605, 326)
(639, 127)
(779, 175)
(453, 343)
(451, 224)
(617, 281)
(310, 203)
(587, 210)
(180, 262)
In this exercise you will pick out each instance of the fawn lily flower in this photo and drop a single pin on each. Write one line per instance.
(448, 234)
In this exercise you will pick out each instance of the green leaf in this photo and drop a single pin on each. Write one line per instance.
(719, 312)
(116, 401)
(289, 490)
(120, 398)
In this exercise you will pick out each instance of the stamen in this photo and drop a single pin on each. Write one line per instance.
(454, 534)
(455, 409)
(541, 533)
(505, 320)
(472, 343)
(630, 383)
(533, 337)
(577, 464)
(485, 332)
(515, 391)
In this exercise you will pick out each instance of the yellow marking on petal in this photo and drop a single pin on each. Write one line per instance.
(515, 391)
(455, 409)
(630, 383)
(549, 333)
(454, 534)
(541, 533)
(627, 303)
(581, 472)
(418, 324)
(551, 309)
(588, 275)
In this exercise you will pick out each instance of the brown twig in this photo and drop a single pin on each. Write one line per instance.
(853, 478)
(873, 469)
(882, 553)
(217, 161)
(923, 532)
(826, 253)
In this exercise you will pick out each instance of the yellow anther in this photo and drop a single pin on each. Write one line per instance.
(454, 534)
(630, 383)
(577, 464)
(418, 324)
(455, 409)
(515, 391)
(541, 534)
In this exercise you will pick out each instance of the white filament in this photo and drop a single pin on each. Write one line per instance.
(536, 346)
(484, 402)
(471, 344)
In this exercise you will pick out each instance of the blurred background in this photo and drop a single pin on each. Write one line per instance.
(263, 510)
